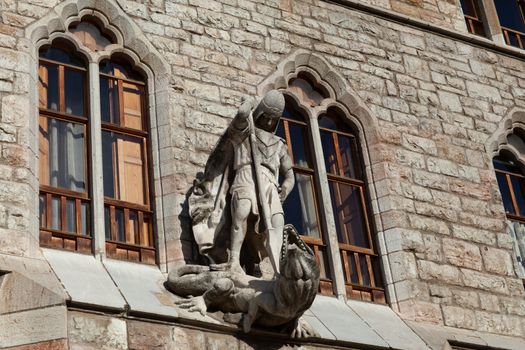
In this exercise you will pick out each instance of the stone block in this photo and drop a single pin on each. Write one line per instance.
(33, 326)
(459, 317)
(87, 330)
(429, 270)
(147, 335)
(461, 253)
(490, 283)
(420, 311)
(497, 260)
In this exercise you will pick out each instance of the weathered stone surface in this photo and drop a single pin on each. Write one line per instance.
(94, 331)
(461, 253)
(497, 261)
(484, 281)
(33, 326)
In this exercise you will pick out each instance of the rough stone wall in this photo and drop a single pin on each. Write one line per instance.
(436, 101)
(90, 331)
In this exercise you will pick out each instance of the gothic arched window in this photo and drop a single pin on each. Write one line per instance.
(74, 129)
(340, 210)
(63, 146)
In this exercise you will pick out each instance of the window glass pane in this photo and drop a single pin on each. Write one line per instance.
(70, 216)
(134, 227)
(74, 92)
(42, 210)
(62, 154)
(330, 159)
(55, 213)
(290, 113)
(48, 86)
(300, 145)
(119, 225)
(59, 55)
(468, 7)
(364, 270)
(323, 264)
(109, 101)
(335, 124)
(132, 96)
(84, 219)
(280, 130)
(107, 222)
(510, 15)
(505, 193)
(506, 165)
(120, 70)
(518, 185)
(347, 151)
(299, 207)
(123, 167)
(349, 214)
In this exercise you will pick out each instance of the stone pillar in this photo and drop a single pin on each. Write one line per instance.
(97, 191)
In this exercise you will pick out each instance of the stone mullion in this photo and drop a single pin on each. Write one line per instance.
(492, 25)
(330, 236)
(97, 181)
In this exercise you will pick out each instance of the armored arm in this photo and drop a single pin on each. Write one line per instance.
(286, 173)
(239, 127)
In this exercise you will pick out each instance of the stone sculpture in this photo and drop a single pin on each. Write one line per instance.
(238, 221)
(268, 303)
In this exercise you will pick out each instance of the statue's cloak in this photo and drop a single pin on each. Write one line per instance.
(209, 203)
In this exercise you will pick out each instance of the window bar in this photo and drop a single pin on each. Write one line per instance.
(341, 214)
(127, 229)
(113, 223)
(63, 213)
(61, 92)
(512, 194)
(78, 218)
(346, 263)
(49, 218)
(358, 269)
(370, 270)
(143, 239)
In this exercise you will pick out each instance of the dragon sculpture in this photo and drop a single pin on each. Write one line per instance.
(268, 303)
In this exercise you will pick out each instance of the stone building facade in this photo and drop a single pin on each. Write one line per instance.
(431, 104)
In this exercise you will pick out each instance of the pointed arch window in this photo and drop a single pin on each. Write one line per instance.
(63, 146)
(70, 133)
(335, 162)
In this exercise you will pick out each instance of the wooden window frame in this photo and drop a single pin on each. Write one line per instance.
(61, 238)
(508, 179)
(374, 291)
(472, 20)
(116, 248)
(508, 32)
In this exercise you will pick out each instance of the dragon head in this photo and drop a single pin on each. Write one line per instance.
(297, 261)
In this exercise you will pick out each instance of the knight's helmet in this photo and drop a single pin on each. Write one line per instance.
(268, 112)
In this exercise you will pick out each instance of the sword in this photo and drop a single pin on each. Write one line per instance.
(264, 209)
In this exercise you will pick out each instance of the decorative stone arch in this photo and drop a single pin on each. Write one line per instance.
(131, 43)
(505, 139)
(343, 97)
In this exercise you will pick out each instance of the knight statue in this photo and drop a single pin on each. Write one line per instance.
(238, 220)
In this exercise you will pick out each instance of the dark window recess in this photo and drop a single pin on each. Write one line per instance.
(511, 182)
(473, 16)
(511, 18)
